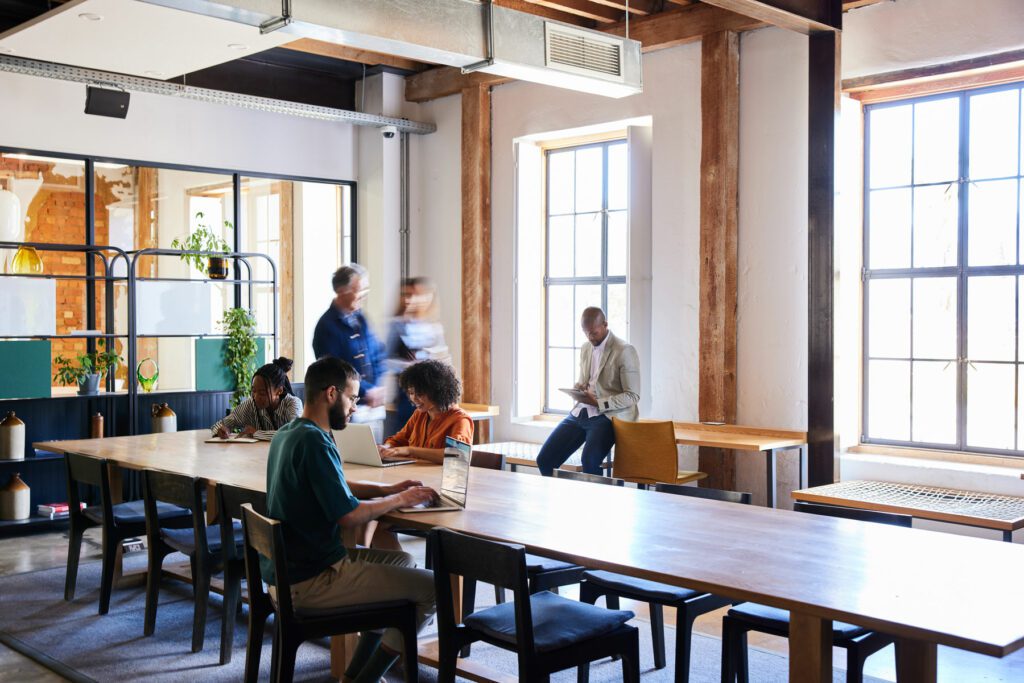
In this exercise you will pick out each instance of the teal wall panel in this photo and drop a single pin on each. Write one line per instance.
(26, 369)
(211, 373)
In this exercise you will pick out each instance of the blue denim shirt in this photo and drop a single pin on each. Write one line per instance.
(349, 337)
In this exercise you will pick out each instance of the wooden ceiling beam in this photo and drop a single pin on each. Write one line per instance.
(641, 7)
(546, 12)
(655, 32)
(802, 16)
(684, 25)
(583, 8)
(352, 54)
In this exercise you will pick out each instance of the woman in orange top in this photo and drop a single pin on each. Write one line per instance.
(434, 389)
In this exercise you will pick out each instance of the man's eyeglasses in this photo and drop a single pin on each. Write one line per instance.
(341, 390)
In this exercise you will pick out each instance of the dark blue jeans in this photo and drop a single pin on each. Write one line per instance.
(595, 434)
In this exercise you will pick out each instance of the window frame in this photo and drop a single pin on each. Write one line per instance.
(961, 271)
(603, 280)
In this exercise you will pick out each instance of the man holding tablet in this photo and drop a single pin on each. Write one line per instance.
(608, 386)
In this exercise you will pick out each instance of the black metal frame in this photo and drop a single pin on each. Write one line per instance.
(133, 335)
(602, 280)
(962, 271)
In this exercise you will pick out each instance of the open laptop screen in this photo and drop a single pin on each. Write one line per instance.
(455, 471)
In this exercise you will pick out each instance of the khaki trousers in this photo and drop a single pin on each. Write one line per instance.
(367, 575)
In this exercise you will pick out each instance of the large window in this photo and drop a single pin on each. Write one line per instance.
(944, 272)
(587, 248)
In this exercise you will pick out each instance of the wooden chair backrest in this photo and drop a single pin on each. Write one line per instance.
(487, 460)
(708, 494)
(645, 452)
(83, 469)
(499, 564)
(177, 489)
(264, 537)
(590, 478)
(230, 500)
(893, 518)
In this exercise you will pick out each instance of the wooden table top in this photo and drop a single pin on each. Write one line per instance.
(886, 578)
(736, 437)
(974, 508)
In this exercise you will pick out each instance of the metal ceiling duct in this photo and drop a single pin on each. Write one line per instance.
(459, 33)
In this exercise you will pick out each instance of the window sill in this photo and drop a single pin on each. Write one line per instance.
(946, 469)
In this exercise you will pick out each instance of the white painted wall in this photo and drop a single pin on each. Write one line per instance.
(47, 115)
(435, 211)
(892, 36)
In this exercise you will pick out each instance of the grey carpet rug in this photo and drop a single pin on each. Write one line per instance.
(73, 639)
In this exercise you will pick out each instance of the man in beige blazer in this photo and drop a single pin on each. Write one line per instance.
(609, 383)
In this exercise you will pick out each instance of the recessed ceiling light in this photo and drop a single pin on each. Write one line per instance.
(154, 74)
(89, 16)
(238, 46)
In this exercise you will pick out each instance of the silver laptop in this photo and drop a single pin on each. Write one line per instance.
(357, 446)
(454, 479)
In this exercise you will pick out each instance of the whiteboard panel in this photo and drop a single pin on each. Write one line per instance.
(28, 307)
(173, 308)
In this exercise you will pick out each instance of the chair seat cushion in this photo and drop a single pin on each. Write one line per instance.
(651, 591)
(536, 564)
(778, 619)
(557, 622)
(134, 512)
(184, 541)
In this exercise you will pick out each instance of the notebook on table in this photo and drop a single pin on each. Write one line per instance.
(357, 446)
(454, 479)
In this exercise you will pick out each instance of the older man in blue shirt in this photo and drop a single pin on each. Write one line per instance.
(343, 332)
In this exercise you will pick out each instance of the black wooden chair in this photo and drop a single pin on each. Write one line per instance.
(200, 543)
(859, 642)
(689, 604)
(549, 633)
(589, 478)
(119, 521)
(264, 537)
(230, 500)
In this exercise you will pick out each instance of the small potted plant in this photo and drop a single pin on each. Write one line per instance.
(204, 239)
(86, 369)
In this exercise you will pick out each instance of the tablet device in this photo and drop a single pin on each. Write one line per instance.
(577, 395)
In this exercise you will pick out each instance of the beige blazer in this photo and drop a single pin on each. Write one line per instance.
(618, 378)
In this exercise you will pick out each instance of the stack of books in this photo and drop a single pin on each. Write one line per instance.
(55, 510)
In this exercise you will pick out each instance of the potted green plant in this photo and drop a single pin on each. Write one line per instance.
(86, 369)
(205, 240)
(240, 349)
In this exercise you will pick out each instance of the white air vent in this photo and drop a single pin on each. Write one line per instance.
(583, 52)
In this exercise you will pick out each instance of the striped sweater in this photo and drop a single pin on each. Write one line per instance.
(248, 415)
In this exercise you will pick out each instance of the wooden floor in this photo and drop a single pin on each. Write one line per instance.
(43, 551)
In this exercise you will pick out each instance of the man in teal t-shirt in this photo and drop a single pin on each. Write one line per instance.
(308, 493)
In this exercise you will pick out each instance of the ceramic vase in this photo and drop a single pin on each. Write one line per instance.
(164, 419)
(15, 500)
(12, 438)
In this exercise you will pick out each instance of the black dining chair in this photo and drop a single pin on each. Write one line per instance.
(548, 632)
(230, 500)
(689, 604)
(264, 537)
(200, 543)
(118, 521)
(859, 643)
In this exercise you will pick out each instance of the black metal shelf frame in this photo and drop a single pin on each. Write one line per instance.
(239, 259)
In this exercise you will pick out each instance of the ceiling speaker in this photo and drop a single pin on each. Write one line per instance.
(103, 102)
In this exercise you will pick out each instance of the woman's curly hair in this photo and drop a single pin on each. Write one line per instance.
(433, 379)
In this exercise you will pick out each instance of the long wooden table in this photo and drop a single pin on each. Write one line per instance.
(820, 568)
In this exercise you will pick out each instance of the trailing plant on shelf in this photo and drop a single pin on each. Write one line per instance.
(86, 369)
(204, 239)
(240, 349)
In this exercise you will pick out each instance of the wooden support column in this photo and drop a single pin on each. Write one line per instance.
(822, 118)
(476, 245)
(719, 167)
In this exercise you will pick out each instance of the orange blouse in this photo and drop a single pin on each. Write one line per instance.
(422, 432)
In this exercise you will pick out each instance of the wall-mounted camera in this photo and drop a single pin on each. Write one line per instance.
(389, 131)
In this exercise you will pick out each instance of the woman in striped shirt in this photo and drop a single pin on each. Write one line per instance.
(270, 406)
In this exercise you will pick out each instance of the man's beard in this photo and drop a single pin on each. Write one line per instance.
(336, 416)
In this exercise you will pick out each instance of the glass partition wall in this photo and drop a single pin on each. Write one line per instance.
(303, 225)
